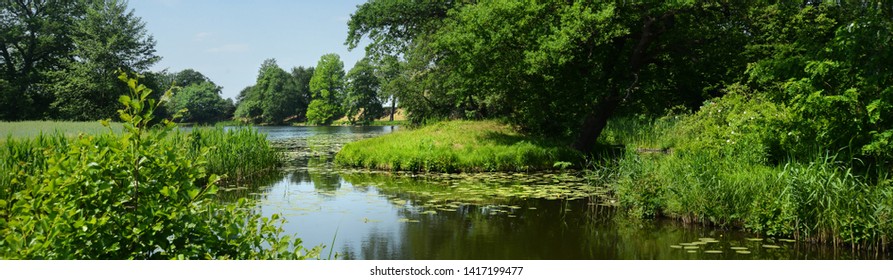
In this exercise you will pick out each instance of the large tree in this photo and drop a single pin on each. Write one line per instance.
(554, 67)
(327, 87)
(108, 39)
(198, 96)
(35, 38)
(362, 103)
(302, 76)
(277, 96)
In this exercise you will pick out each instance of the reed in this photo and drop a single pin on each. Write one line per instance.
(819, 200)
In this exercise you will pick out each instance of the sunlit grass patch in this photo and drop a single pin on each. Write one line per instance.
(456, 146)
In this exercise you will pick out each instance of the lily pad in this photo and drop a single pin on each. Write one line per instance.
(768, 246)
(743, 252)
(713, 252)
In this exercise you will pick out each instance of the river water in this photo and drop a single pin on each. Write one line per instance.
(540, 216)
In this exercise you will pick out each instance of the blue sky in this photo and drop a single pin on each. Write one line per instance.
(227, 40)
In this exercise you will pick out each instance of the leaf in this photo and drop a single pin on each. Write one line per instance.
(192, 193)
(124, 100)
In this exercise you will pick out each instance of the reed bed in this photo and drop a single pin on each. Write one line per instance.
(820, 200)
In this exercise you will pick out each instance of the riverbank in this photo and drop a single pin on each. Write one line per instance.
(457, 146)
(97, 195)
(665, 172)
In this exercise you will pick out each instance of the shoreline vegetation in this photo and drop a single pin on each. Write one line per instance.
(656, 168)
(456, 146)
(131, 194)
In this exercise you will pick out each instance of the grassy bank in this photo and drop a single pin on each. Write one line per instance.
(28, 129)
(456, 146)
(819, 200)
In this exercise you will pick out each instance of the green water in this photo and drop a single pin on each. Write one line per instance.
(379, 215)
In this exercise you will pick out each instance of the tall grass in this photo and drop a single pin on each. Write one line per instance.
(819, 200)
(456, 146)
(240, 155)
(243, 154)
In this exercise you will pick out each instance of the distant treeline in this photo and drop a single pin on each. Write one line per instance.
(60, 59)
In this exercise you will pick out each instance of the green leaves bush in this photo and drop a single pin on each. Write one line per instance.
(127, 196)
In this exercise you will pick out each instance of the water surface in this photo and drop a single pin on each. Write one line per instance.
(380, 215)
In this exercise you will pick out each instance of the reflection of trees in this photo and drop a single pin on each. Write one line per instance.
(376, 246)
(260, 185)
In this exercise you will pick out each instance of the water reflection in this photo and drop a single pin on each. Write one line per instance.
(367, 215)
(370, 219)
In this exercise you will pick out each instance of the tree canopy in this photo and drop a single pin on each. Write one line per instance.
(327, 88)
(563, 68)
(61, 57)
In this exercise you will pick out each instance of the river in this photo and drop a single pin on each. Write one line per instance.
(360, 214)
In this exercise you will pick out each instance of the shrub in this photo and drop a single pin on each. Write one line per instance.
(127, 196)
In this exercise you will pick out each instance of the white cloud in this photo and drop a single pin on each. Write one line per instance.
(230, 48)
(201, 36)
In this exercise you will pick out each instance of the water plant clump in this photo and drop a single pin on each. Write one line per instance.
(243, 154)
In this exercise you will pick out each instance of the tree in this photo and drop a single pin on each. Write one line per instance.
(202, 103)
(326, 85)
(248, 107)
(302, 76)
(109, 38)
(34, 39)
(362, 104)
(552, 67)
(390, 80)
(277, 96)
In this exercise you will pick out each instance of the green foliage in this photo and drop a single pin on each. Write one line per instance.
(108, 38)
(547, 66)
(362, 103)
(242, 154)
(36, 38)
(830, 64)
(741, 125)
(131, 195)
(456, 146)
(327, 87)
(200, 103)
(277, 97)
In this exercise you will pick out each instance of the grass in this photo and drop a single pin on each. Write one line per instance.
(241, 154)
(29, 129)
(819, 200)
(456, 146)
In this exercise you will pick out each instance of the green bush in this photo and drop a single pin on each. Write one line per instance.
(742, 124)
(127, 196)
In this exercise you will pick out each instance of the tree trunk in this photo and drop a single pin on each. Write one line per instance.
(596, 120)
(594, 125)
(393, 107)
